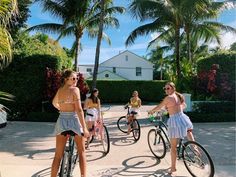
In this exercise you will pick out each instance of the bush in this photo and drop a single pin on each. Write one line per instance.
(216, 76)
(121, 91)
(211, 117)
(42, 117)
(25, 79)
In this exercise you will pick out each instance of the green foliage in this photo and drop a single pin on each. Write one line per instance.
(42, 116)
(25, 79)
(121, 91)
(26, 45)
(211, 117)
(225, 75)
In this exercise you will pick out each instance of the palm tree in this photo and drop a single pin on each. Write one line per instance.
(8, 8)
(77, 17)
(104, 5)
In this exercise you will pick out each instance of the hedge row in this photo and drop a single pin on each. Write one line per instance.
(121, 91)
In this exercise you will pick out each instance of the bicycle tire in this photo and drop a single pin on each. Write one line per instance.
(136, 130)
(105, 140)
(64, 164)
(156, 143)
(122, 124)
(197, 160)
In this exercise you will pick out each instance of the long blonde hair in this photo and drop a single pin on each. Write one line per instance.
(179, 95)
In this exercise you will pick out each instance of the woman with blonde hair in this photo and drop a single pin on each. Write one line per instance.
(179, 124)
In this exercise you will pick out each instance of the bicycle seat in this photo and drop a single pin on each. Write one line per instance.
(68, 132)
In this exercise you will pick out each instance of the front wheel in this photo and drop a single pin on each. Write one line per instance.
(64, 165)
(197, 160)
(136, 130)
(156, 143)
(105, 140)
(122, 124)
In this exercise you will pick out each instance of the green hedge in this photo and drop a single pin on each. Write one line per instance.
(211, 117)
(121, 91)
(42, 117)
(25, 79)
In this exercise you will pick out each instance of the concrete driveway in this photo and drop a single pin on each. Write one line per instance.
(27, 149)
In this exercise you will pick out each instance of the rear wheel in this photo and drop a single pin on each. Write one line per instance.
(122, 124)
(156, 143)
(197, 160)
(135, 126)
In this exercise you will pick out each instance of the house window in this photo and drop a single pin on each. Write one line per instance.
(138, 71)
(126, 58)
(106, 75)
(114, 69)
(89, 70)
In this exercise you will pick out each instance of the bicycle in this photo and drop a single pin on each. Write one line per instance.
(70, 155)
(123, 124)
(195, 157)
(101, 132)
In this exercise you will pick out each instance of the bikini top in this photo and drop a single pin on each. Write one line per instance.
(68, 100)
(134, 103)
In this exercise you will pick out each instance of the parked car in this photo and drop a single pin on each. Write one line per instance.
(3, 116)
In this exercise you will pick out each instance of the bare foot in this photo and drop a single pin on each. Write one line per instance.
(172, 171)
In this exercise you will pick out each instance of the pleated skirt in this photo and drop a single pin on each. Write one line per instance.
(68, 121)
(178, 124)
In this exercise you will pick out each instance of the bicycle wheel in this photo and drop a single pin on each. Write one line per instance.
(197, 160)
(64, 165)
(122, 124)
(156, 143)
(105, 140)
(74, 156)
(135, 126)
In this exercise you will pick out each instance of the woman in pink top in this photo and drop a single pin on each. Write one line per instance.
(179, 124)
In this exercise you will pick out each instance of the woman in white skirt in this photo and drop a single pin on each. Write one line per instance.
(71, 118)
(179, 124)
(92, 106)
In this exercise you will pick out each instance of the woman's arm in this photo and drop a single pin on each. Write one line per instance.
(139, 103)
(99, 109)
(158, 107)
(55, 101)
(79, 110)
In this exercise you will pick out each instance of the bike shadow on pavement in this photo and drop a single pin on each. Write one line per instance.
(42, 173)
(144, 166)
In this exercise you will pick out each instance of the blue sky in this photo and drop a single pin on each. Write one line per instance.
(118, 36)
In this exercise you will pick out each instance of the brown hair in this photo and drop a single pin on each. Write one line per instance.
(180, 96)
(65, 74)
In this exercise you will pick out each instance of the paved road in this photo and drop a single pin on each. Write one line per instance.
(27, 149)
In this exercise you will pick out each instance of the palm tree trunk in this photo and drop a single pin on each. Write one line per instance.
(77, 48)
(188, 46)
(177, 51)
(99, 39)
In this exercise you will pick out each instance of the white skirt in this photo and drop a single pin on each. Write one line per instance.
(91, 114)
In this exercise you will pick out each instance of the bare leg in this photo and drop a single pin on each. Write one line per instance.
(90, 125)
(130, 118)
(173, 154)
(80, 143)
(60, 146)
(190, 135)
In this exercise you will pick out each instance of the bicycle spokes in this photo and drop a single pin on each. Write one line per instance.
(197, 160)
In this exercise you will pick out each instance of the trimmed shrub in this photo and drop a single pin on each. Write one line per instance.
(121, 91)
(25, 79)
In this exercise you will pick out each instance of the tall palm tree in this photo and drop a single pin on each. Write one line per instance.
(8, 8)
(76, 18)
(104, 7)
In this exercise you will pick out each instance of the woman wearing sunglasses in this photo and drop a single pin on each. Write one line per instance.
(179, 124)
(67, 101)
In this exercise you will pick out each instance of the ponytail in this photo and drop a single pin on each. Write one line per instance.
(180, 96)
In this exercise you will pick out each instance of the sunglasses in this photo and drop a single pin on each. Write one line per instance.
(164, 88)
(75, 78)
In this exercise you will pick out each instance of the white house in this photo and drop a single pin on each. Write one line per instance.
(124, 66)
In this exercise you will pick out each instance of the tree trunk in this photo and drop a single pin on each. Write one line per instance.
(77, 48)
(177, 52)
(188, 46)
(99, 39)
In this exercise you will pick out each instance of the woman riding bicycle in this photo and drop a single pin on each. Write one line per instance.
(134, 103)
(67, 101)
(92, 106)
(179, 124)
